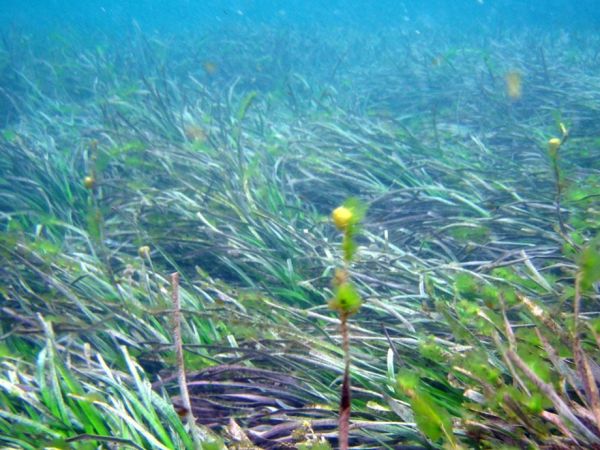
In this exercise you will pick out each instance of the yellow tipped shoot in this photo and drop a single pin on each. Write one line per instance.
(342, 217)
(553, 146)
(563, 130)
(144, 252)
(346, 300)
(89, 182)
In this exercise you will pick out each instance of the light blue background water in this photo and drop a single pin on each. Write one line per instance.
(177, 15)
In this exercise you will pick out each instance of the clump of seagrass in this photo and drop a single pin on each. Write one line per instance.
(541, 385)
(346, 301)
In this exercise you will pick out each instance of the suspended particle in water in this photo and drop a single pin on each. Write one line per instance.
(514, 84)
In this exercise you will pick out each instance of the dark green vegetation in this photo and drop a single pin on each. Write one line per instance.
(225, 155)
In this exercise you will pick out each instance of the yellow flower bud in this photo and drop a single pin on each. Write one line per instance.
(144, 251)
(342, 216)
(89, 182)
(553, 146)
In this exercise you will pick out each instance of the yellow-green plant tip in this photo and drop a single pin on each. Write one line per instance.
(535, 403)
(563, 129)
(144, 251)
(342, 217)
(346, 300)
(553, 146)
(408, 381)
(349, 214)
(89, 182)
(433, 421)
(589, 263)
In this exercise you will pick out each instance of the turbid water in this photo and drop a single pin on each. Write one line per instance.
(262, 224)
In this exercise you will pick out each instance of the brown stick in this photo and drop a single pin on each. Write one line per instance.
(185, 396)
(345, 400)
(581, 360)
(561, 407)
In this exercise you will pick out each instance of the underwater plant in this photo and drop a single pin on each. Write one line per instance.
(554, 145)
(156, 168)
(539, 385)
(346, 300)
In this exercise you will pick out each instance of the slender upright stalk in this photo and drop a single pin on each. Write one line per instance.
(346, 302)
(554, 146)
(345, 398)
(185, 396)
(558, 194)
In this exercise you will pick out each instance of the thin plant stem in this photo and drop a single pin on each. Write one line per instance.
(345, 399)
(558, 194)
(185, 397)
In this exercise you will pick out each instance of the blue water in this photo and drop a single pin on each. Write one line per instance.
(177, 15)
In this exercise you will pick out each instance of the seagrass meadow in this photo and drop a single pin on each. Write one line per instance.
(220, 156)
